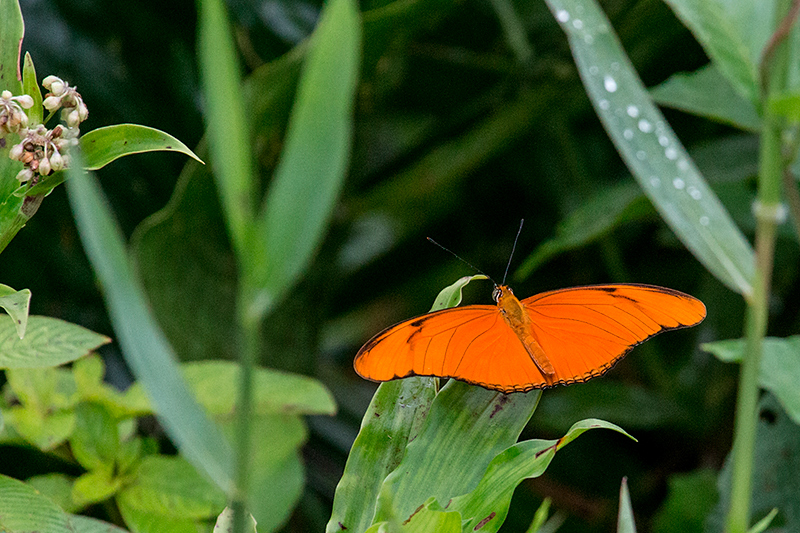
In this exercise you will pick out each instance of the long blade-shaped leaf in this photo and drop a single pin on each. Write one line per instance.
(146, 349)
(649, 147)
(314, 161)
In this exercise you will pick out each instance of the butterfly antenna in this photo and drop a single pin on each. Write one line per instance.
(473, 267)
(522, 221)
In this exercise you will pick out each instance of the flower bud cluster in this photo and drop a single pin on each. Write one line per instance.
(12, 117)
(66, 98)
(43, 151)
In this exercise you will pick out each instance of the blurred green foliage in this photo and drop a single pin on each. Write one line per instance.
(458, 135)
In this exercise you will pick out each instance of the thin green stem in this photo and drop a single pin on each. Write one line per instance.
(250, 331)
(768, 213)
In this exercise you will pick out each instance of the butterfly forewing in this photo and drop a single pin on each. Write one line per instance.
(585, 330)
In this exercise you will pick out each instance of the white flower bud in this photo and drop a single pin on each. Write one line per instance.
(6, 95)
(83, 111)
(24, 175)
(25, 101)
(16, 152)
(56, 161)
(74, 118)
(44, 167)
(54, 84)
(51, 103)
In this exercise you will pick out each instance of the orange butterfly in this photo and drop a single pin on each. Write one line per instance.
(554, 338)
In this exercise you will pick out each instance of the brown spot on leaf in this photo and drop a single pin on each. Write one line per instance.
(484, 521)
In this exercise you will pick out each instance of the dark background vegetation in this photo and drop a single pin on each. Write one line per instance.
(456, 139)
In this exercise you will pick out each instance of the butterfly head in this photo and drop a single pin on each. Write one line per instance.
(501, 292)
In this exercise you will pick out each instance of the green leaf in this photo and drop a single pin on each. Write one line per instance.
(86, 524)
(224, 522)
(47, 184)
(30, 86)
(432, 518)
(227, 126)
(540, 516)
(101, 146)
(171, 487)
(17, 305)
(451, 296)
(146, 522)
(47, 342)
(45, 431)
(691, 497)
(57, 487)
(12, 29)
(95, 440)
(466, 428)
(23, 509)
(487, 504)
(706, 92)
(625, 522)
(779, 372)
(95, 486)
(216, 384)
(43, 389)
(314, 160)
(378, 449)
(650, 149)
(732, 34)
(764, 523)
(275, 489)
(146, 350)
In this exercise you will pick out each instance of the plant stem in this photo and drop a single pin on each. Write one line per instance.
(768, 213)
(250, 331)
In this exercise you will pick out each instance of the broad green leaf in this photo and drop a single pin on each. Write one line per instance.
(625, 523)
(24, 510)
(45, 431)
(776, 472)
(650, 149)
(44, 187)
(30, 86)
(47, 342)
(224, 522)
(146, 350)
(690, 498)
(465, 429)
(147, 522)
(16, 304)
(216, 383)
(11, 30)
(88, 373)
(57, 487)
(397, 411)
(226, 122)
(432, 518)
(732, 34)
(780, 371)
(86, 524)
(95, 440)
(44, 390)
(95, 486)
(487, 504)
(171, 487)
(706, 92)
(595, 217)
(101, 146)
(314, 160)
(275, 490)
(392, 420)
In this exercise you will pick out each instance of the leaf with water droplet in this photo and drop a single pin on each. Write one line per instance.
(666, 173)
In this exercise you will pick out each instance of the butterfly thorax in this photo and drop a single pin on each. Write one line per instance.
(517, 318)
